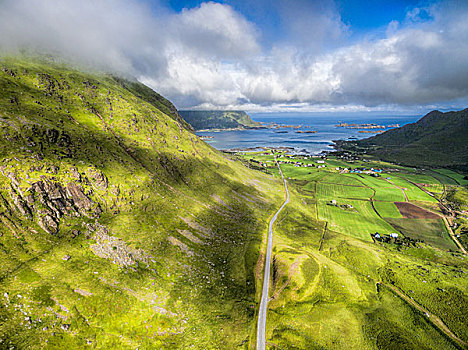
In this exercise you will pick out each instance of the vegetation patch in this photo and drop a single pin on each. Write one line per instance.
(430, 231)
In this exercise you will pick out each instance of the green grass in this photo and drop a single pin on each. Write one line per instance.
(341, 179)
(331, 300)
(457, 177)
(358, 222)
(400, 326)
(443, 178)
(412, 192)
(432, 232)
(330, 191)
(384, 190)
(387, 209)
(199, 216)
(202, 217)
(421, 178)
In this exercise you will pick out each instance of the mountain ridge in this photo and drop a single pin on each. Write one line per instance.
(437, 139)
(220, 120)
(119, 227)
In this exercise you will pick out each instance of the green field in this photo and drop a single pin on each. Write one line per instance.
(421, 178)
(412, 192)
(432, 232)
(333, 292)
(327, 191)
(342, 179)
(128, 231)
(443, 178)
(457, 177)
(120, 228)
(387, 209)
(358, 222)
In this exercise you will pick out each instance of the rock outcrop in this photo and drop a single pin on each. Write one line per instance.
(47, 201)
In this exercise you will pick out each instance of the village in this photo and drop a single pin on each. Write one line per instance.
(320, 162)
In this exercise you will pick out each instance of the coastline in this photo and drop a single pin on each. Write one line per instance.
(304, 141)
(233, 129)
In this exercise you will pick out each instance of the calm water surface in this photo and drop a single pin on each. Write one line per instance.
(312, 143)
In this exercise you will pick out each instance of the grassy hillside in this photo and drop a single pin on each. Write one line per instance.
(118, 226)
(436, 140)
(201, 120)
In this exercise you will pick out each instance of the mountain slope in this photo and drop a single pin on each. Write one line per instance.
(437, 139)
(202, 120)
(118, 226)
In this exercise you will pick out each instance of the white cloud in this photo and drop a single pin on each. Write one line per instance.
(213, 30)
(210, 55)
(415, 64)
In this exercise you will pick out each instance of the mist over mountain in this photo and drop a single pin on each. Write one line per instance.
(230, 56)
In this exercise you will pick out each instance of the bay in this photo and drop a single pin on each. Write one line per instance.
(324, 124)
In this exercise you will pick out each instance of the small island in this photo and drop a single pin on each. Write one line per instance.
(306, 132)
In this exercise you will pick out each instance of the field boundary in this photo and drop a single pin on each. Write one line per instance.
(323, 235)
(452, 235)
(435, 320)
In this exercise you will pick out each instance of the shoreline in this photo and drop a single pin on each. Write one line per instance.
(232, 129)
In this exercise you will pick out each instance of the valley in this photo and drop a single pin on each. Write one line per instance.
(120, 228)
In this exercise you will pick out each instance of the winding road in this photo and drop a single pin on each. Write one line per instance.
(262, 313)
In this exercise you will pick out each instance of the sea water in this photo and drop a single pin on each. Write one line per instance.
(324, 124)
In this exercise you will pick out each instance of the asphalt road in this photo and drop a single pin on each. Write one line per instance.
(262, 313)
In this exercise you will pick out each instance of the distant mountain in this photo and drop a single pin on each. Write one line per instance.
(201, 120)
(437, 139)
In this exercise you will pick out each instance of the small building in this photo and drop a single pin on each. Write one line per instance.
(394, 235)
(377, 235)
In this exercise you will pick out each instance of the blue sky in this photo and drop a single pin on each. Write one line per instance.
(363, 17)
(262, 55)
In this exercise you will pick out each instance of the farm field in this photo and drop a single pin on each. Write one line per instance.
(431, 231)
(328, 270)
(359, 222)
(412, 192)
(458, 178)
(327, 190)
(387, 209)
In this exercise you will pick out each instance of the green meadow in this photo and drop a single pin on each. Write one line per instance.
(329, 276)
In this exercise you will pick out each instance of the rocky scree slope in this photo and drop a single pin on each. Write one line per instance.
(118, 226)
